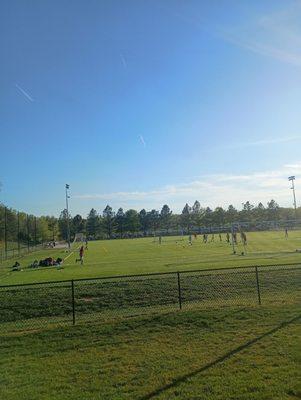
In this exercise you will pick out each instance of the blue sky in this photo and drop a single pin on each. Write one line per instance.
(140, 103)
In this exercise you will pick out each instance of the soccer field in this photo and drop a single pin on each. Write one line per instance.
(221, 344)
(134, 256)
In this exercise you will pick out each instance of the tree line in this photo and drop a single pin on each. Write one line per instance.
(20, 227)
(120, 223)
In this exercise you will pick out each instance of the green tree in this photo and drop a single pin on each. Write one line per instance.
(132, 221)
(246, 213)
(186, 217)
(197, 214)
(63, 224)
(231, 214)
(120, 221)
(143, 220)
(153, 220)
(273, 210)
(259, 212)
(218, 216)
(165, 217)
(108, 221)
(92, 224)
(78, 224)
(208, 217)
(52, 227)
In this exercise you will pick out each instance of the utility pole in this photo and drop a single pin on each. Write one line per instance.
(67, 208)
(292, 179)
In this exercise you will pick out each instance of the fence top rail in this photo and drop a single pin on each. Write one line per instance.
(246, 267)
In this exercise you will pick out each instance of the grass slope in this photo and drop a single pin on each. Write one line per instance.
(249, 354)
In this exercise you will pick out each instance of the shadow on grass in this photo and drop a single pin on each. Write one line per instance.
(224, 357)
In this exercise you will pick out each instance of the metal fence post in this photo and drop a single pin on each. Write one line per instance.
(18, 234)
(5, 232)
(258, 287)
(35, 232)
(179, 291)
(27, 224)
(73, 302)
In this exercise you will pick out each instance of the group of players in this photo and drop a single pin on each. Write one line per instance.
(243, 237)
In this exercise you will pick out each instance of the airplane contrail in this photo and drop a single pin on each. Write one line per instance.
(142, 140)
(24, 93)
(124, 63)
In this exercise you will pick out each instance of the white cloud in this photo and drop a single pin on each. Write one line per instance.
(212, 190)
(264, 142)
(277, 35)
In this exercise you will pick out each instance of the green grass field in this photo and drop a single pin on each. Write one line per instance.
(134, 256)
(249, 353)
(131, 341)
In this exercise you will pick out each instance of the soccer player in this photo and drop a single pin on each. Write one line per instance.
(160, 239)
(227, 237)
(286, 233)
(220, 237)
(244, 238)
(81, 255)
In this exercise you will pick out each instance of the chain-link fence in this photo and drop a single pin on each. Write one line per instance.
(37, 304)
(20, 233)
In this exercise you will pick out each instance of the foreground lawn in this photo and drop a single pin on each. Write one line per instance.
(134, 256)
(251, 353)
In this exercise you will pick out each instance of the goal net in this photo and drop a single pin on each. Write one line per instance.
(79, 237)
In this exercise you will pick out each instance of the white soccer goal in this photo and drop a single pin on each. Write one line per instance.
(79, 237)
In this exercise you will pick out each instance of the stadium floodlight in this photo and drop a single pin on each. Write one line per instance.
(292, 179)
(67, 209)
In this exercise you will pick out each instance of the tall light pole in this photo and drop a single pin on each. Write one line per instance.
(292, 179)
(67, 208)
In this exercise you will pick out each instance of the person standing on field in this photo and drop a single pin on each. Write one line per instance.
(81, 255)
(227, 237)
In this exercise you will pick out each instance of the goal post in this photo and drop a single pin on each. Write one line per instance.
(79, 238)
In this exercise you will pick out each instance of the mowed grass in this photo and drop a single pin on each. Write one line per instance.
(134, 256)
(232, 353)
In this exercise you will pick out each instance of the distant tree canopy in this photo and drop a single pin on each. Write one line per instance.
(109, 224)
(23, 229)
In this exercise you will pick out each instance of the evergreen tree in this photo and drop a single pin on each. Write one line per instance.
(197, 214)
(231, 214)
(143, 221)
(132, 221)
(153, 220)
(108, 221)
(218, 216)
(92, 224)
(186, 217)
(165, 217)
(120, 221)
(78, 225)
(272, 210)
(208, 217)
(63, 224)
